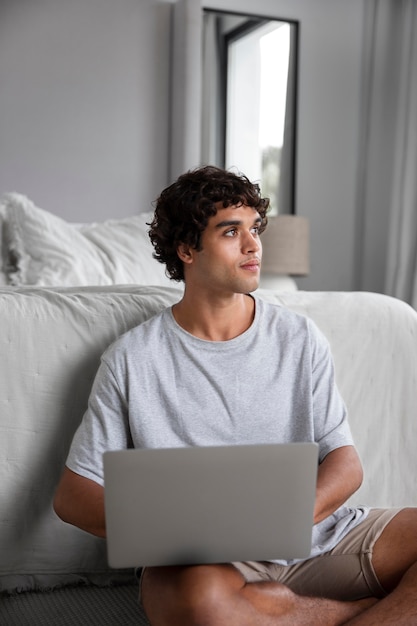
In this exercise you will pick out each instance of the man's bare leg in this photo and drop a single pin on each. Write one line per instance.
(217, 595)
(399, 608)
(395, 564)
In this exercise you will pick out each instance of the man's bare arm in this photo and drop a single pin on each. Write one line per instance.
(80, 501)
(339, 476)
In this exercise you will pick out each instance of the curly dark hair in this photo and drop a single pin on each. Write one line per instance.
(183, 209)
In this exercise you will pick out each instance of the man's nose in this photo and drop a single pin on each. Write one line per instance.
(251, 243)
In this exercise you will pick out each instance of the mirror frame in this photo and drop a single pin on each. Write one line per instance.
(252, 21)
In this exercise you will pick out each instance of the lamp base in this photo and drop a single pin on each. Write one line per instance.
(280, 282)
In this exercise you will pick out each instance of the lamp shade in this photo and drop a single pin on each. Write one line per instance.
(286, 246)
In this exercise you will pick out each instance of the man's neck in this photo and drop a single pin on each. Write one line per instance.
(220, 319)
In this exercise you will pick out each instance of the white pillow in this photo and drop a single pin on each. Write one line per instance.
(42, 249)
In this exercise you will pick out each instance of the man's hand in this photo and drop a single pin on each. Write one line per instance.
(339, 475)
(80, 501)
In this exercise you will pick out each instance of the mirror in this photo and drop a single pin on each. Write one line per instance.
(249, 89)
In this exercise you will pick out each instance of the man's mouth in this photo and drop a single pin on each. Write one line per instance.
(252, 265)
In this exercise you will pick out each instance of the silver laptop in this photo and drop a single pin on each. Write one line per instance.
(209, 505)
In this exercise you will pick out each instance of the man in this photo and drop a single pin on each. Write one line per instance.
(223, 367)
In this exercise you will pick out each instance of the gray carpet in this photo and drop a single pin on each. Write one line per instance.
(74, 606)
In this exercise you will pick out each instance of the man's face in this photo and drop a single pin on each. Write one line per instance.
(229, 260)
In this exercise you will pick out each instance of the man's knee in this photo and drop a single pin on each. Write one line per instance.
(396, 549)
(189, 595)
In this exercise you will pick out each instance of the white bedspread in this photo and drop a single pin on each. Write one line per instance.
(50, 345)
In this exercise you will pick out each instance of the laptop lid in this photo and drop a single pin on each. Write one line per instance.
(209, 504)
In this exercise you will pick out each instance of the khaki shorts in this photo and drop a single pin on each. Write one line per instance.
(344, 573)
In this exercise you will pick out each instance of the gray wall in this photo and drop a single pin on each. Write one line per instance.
(83, 104)
(84, 112)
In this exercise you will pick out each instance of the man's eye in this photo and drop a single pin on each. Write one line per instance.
(231, 232)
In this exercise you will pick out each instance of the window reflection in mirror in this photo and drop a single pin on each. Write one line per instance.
(249, 100)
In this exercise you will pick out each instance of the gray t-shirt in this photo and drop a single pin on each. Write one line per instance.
(158, 386)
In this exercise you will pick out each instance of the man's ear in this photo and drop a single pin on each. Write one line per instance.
(185, 253)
